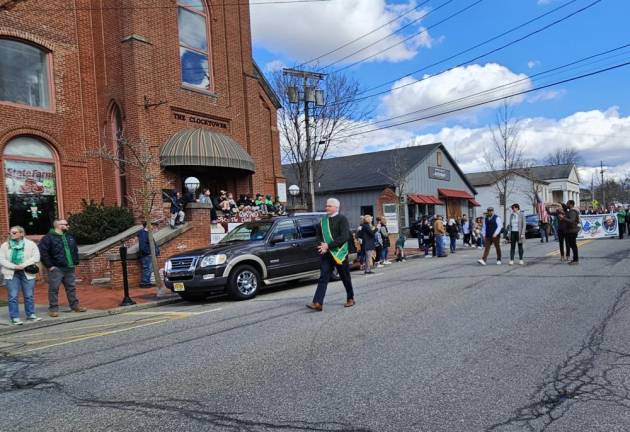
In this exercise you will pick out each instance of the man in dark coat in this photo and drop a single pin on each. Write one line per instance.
(60, 255)
(333, 234)
(144, 249)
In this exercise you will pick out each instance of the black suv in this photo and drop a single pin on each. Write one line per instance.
(254, 253)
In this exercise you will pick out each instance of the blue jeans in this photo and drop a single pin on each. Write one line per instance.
(453, 243)
(147, 269)
(384, 253)
(18, 283)
(543, 234)
(439, 246)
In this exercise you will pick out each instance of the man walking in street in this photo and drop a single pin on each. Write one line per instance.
(517, 233)
(333, 234)
(144, 247)
(621, 220)
(573, 228)
(491, 230)
(60, 255)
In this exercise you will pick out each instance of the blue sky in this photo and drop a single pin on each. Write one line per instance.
(590, 114)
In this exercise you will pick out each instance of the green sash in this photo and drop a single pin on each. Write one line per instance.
(339, 254)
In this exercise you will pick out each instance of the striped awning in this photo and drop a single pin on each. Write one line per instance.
(202, 147)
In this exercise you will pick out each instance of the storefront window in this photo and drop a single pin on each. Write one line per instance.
(193, 44)
(30, 182)
(23, 74)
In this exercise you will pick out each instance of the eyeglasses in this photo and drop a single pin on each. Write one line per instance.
(15, 232)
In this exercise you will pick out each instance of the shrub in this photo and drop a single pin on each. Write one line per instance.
(96, 222)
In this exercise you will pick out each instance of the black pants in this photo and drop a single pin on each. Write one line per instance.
(467, 239)
(622, 230)
(564, 243)
(327, 265)
(572, 243)
(514, 240)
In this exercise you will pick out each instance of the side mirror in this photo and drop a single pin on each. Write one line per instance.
(277, 238)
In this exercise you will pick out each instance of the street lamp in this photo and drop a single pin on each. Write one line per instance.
(192, 184)
(294, 191)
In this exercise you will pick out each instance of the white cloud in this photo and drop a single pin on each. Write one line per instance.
(308, 30)
(545, 2)
(533, 63)
(274, 65)
(546, 95)
(597, 135)
(454, 84)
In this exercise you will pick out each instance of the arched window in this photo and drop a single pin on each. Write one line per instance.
(31, 184)
(24, 74)
(119, 148)
(194, 47)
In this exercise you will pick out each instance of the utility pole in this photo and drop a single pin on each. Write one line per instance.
(601, 172)
(316, 96)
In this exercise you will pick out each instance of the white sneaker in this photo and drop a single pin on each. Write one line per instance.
(521, 262)
(511, 263)
(428, 256)
(33, 318)
(498, 262)
(482, 262)
(16, 321)
(387, 262)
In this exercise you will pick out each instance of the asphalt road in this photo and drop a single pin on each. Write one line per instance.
(432, 345)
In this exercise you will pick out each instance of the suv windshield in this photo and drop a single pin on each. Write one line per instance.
(249, 231)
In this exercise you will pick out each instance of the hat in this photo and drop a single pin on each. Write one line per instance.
(490, 209)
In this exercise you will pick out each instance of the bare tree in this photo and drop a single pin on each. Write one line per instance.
(397, 172)
(566, 155)
(137, 161)
(506, 154)
(327, 123)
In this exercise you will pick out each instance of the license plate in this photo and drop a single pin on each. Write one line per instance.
(178, 286)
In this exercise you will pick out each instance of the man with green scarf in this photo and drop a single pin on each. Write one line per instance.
(60, 255)
(333, 234)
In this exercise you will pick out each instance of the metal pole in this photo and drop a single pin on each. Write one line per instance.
(309, 160)
(601, 164)
(127, 301)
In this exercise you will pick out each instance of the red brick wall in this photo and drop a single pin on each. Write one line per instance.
(96, 65)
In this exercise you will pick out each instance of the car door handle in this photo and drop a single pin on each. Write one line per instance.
(294, 245)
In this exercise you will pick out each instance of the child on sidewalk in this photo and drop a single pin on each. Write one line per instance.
(400, 248)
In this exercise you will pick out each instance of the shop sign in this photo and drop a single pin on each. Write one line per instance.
(199, 120)
(438, 173)
(282, 192)
(390, 213)
(29, 178)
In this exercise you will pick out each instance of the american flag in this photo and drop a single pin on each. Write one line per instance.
(541, 211)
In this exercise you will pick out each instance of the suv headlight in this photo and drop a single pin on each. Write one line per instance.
(211, 260)
(167, 266)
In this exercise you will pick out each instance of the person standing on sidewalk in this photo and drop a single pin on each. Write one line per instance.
(60, 254)
(144, 247)
(18, 255)
(491, 232)
(621, 221)
(573, 228)
(517, 233)
(466, 230)
(368, 243)
(453, 233)
(426, 234)
(562, 236)
(333, 234)
(438, 236)
(543, 225)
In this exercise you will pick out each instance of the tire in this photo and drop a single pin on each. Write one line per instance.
(244, 282)
(193, 297)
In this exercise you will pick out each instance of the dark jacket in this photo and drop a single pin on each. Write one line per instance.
(573, 218)
(177, 204)
(366, 234)
(452, 230)
(52, 252)
(143, 244)
(339, 229)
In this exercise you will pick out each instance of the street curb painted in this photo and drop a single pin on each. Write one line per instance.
(88, 315)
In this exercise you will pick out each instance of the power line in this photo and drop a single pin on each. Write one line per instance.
(13, 3)
(502, 47)
(549, 72)
(363, 35)
(389, 35)
(617, 66)
(422, 31)
(511, 30)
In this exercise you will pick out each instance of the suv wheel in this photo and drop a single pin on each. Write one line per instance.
(243, 282)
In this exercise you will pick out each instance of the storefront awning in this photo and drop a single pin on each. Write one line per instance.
(202, 147)
(455, 193)
(475, 203)
(423, 199)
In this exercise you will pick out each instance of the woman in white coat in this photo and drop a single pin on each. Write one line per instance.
(18, 255)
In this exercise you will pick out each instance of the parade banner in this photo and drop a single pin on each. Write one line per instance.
(598, 226)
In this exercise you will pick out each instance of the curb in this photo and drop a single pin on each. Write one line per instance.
(90, 315)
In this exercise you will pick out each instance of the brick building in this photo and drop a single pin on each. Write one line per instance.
(174, 75)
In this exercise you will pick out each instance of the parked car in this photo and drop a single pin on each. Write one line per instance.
(532, 230)
(250, 256)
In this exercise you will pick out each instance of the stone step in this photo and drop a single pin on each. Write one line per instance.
(101, 281)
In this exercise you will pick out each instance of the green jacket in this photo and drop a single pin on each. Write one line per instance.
(621, 215)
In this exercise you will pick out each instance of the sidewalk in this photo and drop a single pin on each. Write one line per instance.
(100, 301)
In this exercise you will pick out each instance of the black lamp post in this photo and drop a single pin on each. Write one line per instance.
(127, 301)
